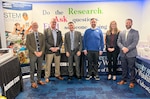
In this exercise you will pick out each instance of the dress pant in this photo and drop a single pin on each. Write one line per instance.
(49, 59)
(128, 68)
(93, 57)
(38, 61)
(76, 58)
(112, 62)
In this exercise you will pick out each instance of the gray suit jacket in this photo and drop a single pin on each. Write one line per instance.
(77, 41)
(130, 43)
(49, 40)
(31, 43)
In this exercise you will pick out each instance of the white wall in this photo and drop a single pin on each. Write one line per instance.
(137, 10)
(118, 11)
(145, 25)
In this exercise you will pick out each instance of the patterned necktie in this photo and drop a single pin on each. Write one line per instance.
(37, 42)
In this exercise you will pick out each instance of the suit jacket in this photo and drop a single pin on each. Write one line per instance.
(49, 41)
(130, 43)
(77, 41)
(31, 43)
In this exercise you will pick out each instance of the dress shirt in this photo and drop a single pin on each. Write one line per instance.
(72, 40)
(54, 36)
(126, 35)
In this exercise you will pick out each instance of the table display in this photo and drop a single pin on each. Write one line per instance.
(143, 73)
(5, 54)
(11, 78)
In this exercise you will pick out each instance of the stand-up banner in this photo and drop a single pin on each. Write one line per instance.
(18, 19)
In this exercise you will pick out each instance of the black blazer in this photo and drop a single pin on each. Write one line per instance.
(49, 41)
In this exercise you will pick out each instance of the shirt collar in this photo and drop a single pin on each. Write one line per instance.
(93, 28)
(71, 31)
(128, 30)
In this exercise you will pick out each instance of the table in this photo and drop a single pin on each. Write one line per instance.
(64, 65)
(102, 65)
(143, 72)
(10, 78)
(25, 68)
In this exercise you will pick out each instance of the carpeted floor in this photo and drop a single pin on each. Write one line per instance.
(82, 89)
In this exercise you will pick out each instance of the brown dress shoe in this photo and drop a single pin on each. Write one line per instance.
(47, 80)
(131, 85)
(121, 82)
(41, 83)
(59, 77)
(34, 85)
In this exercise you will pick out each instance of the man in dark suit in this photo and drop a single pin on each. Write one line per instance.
(127, 42)
(35, 43)
(73, 48)
(53, 40)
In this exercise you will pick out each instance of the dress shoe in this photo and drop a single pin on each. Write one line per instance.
(121, 82)
(109, 76)
(69, 78)
(114, 77)
(79, 77)
(41, 83)
(131, 85)
(34, 85)
(47, 80)
(59, 77)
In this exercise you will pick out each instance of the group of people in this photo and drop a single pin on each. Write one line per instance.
(92, 44)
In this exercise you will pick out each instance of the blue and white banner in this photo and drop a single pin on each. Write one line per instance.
(143, 73)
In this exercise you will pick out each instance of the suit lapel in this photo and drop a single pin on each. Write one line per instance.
(40, 38)
(33, 36)
(124, 35)
(50, 33)
(129, 34)
(75, 36)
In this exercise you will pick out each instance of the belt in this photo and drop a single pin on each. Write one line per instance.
(72, 50)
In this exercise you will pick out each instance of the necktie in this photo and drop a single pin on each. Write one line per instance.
(72, 41)
(37, 42)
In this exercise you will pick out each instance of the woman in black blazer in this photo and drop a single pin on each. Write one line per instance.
(112, 49)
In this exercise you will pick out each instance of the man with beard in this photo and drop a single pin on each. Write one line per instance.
(127, 42)
(93, 47)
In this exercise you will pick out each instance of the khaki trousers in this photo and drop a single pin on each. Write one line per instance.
(49, 59)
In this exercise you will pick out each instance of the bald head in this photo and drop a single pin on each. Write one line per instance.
(53, 23)
(35, 26)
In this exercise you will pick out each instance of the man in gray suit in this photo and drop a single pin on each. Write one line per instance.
(73, 48)
(53, 42)
(127, 42)
(35, 43)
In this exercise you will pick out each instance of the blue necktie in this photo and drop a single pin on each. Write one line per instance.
(72, 41)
